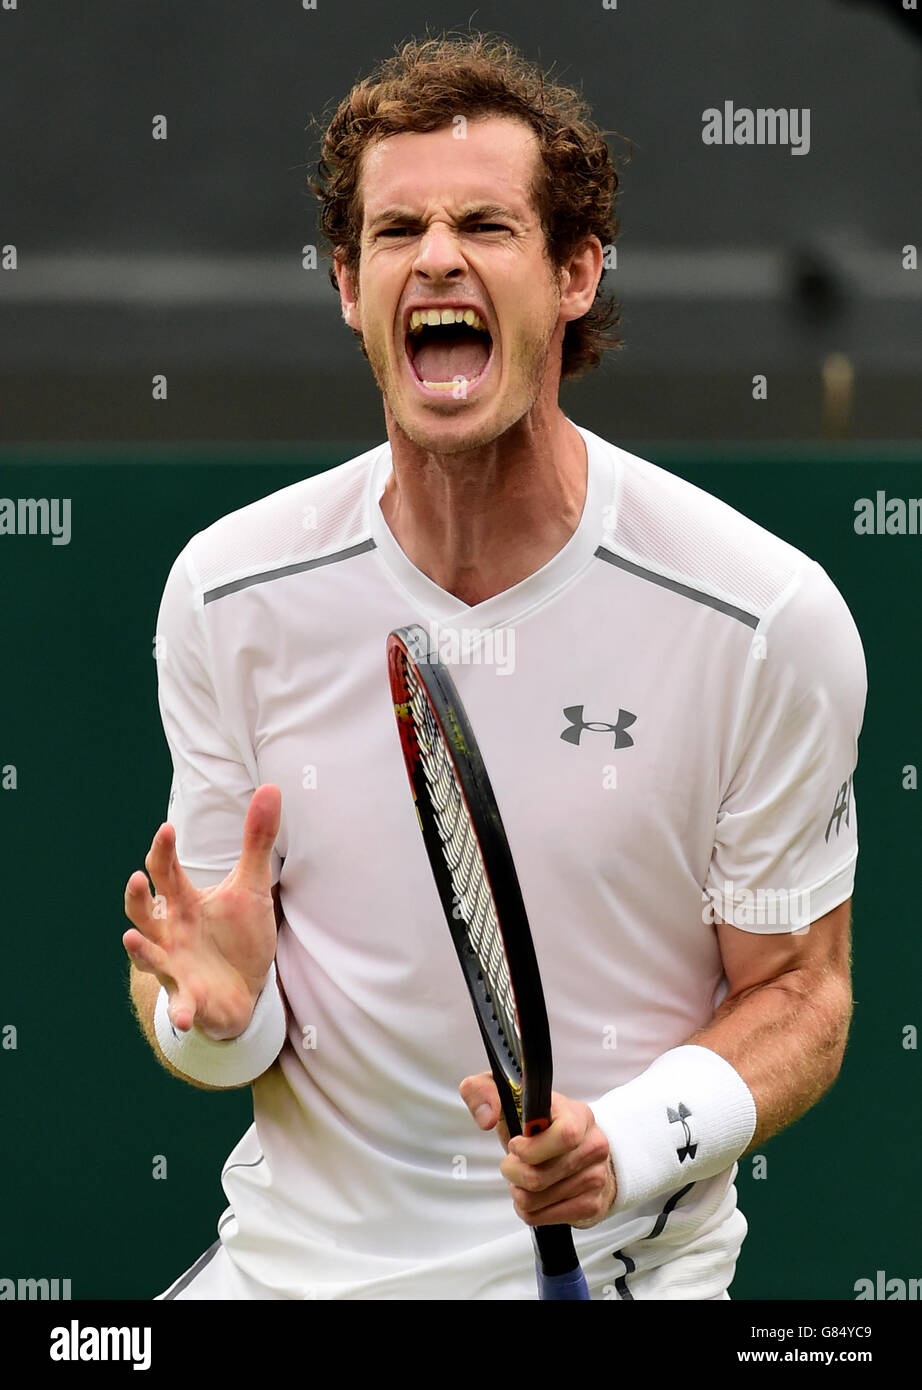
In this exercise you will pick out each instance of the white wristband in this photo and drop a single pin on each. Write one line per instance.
(235, 1061)
(689, 1116)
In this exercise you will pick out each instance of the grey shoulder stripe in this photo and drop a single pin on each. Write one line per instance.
(237, 584)
(696, 595)
(190, 1274)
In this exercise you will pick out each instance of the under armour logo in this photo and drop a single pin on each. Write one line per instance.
(841, 808)
(680, 1117)
(577, 724)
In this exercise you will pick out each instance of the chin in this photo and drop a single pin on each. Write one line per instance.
(456, 434)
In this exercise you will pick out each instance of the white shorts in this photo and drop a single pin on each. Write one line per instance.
(214, 1276)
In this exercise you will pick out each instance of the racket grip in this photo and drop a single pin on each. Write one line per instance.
(562, 1286)
(557, 1265)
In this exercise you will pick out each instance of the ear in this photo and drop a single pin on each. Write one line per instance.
(348, 294)
(579, 279)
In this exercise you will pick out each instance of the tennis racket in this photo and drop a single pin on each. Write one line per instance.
(477, 883)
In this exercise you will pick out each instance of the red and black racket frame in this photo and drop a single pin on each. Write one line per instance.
(411, 646)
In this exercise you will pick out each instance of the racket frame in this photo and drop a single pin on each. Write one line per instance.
(524, 1082)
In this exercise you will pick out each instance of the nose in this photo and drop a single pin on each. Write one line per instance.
(439, 255)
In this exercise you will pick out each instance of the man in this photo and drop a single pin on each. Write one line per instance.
(679, 726)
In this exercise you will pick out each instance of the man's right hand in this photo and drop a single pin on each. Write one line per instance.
(211, 948)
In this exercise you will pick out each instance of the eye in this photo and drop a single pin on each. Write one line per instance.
(472, 226)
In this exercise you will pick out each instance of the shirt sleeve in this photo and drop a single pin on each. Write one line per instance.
(213, 777)
(786, 838)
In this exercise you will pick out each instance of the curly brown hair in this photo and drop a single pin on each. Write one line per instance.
(422, 87)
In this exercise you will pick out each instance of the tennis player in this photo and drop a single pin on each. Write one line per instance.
(668, 700)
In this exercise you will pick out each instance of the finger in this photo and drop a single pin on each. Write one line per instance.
(151, 960)
(581, 1212)
(148, 957)
(566, 1132)
(181, 1013)
(162, 863)
(539, 1177)
(581, 1199)
(260, 832)
(481, 1097)
(139, 905)
(591, 1149)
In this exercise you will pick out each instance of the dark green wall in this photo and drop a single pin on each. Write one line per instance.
(84, 1107)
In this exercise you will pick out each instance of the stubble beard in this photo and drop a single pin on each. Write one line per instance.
(528, 367)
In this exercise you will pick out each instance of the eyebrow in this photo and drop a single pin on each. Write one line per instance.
(472, 212)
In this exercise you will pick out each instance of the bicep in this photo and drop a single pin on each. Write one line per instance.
(820, 951)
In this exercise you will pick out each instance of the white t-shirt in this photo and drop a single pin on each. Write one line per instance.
(668, 711)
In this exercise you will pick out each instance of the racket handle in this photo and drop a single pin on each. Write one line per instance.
(562, 1286)
(557, 1265)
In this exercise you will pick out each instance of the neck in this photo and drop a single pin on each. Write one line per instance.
(481, 520)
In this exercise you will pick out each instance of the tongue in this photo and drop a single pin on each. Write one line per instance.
(435, 361)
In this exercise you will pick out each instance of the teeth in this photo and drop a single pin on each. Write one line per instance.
(431, 318)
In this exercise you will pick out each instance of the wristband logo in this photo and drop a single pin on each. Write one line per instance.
(680, 1117)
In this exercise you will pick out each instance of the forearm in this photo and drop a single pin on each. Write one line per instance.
(144, 990)
(786, 1039)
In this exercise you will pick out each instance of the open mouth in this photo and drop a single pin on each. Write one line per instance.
(448, 350)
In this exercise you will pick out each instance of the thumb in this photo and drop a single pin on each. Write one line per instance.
(481, 1097)
(260, 831)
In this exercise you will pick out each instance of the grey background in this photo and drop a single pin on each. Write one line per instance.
(183, 256)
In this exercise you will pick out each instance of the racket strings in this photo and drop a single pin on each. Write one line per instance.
(474, 900)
